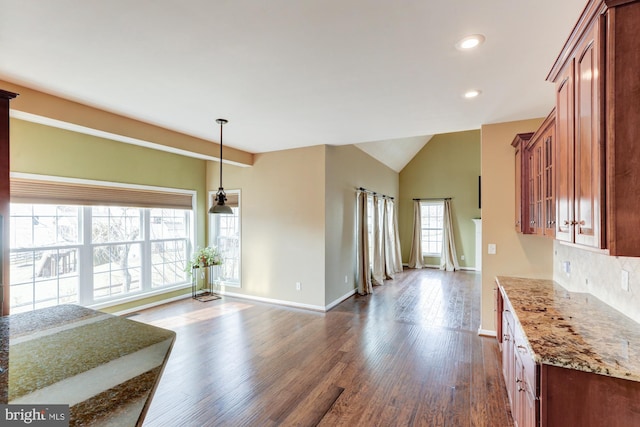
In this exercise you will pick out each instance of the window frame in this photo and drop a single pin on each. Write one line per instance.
(85, 286)
(211, 237)
(428, 203)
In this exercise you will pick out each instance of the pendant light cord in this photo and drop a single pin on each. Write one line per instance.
(221, 124)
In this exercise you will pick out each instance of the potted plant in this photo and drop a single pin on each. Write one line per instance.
(204, 257)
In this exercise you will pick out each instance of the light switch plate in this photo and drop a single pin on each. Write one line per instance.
(491, 248)
(624, 281)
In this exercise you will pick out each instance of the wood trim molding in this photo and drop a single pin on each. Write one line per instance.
(5, 97)
(616, 3)
(591, 10)
(51, 110)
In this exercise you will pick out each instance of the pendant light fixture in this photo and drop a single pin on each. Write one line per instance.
(221, 196)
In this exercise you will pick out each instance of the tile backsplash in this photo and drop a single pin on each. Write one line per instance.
(599, 275)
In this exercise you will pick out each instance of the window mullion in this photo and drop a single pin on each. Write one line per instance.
(85, 291)
(145, 262)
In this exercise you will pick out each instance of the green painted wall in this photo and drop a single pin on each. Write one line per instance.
(45, 150)
(447, 166)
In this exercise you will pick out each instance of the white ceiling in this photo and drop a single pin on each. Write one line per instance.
(292, 73)
(395, 153)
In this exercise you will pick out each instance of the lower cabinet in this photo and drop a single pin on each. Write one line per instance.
(521, 374)
(548, 396)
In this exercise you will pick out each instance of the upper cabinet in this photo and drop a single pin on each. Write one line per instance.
(541, 177)
(535, 180)
(580, 144)
(597, 162)
(522, 222)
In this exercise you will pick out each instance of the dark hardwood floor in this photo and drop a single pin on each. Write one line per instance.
(408, 355)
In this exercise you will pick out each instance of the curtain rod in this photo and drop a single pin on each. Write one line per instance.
(434, 198)
(373, 192)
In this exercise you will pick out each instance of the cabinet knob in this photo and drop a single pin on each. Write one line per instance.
(522, 349)
(506, 337)
(581, 222)
(566, 222)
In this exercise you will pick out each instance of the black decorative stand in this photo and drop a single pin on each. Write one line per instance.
(203, 294)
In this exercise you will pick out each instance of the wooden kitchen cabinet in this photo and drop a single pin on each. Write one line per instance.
(561, 365)
(522, 222)
(518, 368)
(541, 179)
(598, 128)
(535, 202)
(580, 145)
(5, 97)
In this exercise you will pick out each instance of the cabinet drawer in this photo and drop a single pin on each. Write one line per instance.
(529, 368)
(530, 374)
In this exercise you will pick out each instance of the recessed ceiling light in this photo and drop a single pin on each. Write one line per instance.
(470, 42)
(472, 93)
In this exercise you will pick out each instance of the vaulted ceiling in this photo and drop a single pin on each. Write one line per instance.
(289, 73)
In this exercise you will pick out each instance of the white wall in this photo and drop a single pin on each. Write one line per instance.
(599, 275)
(283, 224)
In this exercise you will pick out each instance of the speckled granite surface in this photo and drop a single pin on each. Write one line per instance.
(574, 330)
(105, 367)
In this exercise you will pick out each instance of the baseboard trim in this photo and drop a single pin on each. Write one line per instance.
(339, 300)
(242, 296)
(275, 301)
(487, 333)
(151, 304)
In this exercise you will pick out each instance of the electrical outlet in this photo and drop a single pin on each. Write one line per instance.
(566, 267)
(491, 248)
(624, 349)
(346, 279)
(298, 286)
(462, 257)
(624, 280)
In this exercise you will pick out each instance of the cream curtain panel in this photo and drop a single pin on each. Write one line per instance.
(415, 256)
(392, 257)
(397, 261)
(378, 241)
(449, 257)
(382, 239)
(364, 270)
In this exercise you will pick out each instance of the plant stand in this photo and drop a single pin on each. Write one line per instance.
(203, 294)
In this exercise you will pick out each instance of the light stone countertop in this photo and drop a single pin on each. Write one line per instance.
(104, 367)
(574, 330)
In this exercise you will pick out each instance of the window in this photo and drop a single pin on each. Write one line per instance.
(224, 233)
(370, 228)
(45, 244)
(90, 255)
(431, 213)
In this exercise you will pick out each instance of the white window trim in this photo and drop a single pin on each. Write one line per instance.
(193, 226)
(210, 239)
(433, 203)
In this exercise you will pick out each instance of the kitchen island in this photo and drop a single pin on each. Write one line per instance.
(104, 367)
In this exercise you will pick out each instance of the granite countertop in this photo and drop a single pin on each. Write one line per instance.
(104, 367)
(574, 330)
